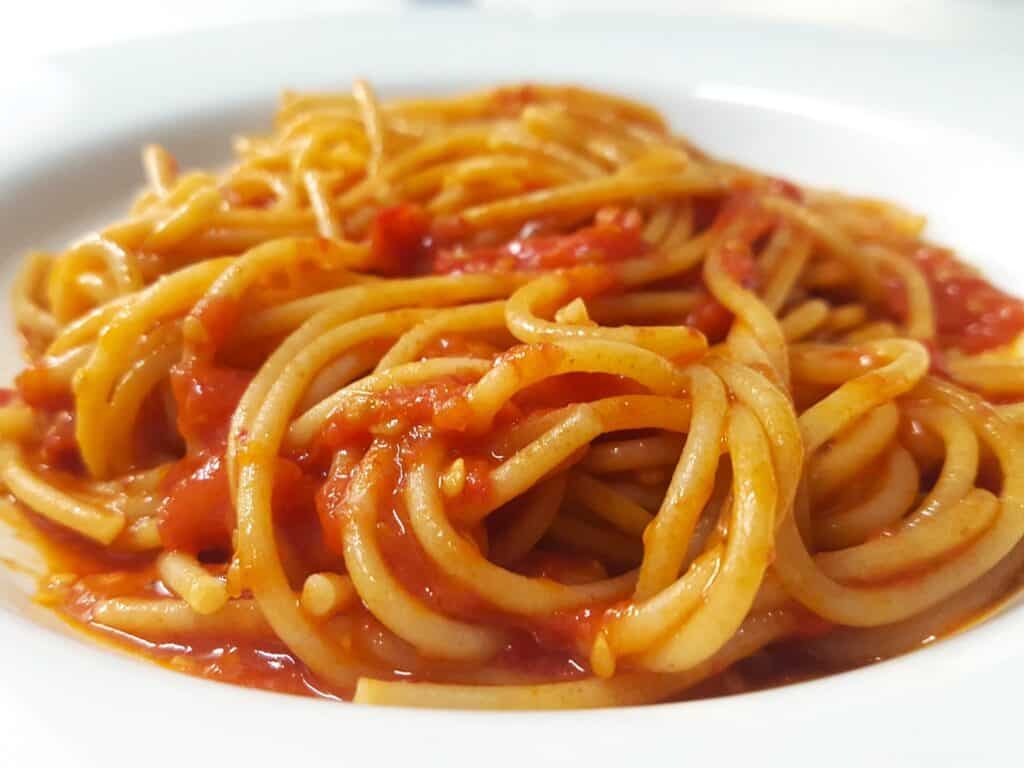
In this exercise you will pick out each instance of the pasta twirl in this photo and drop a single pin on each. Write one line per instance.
(512, 399)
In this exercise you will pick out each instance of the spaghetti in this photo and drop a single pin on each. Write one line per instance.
(512, 400)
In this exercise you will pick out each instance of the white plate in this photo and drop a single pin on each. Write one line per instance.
(936, 129)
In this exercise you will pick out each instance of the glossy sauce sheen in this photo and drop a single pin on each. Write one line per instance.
(972, 314)
(265, 663)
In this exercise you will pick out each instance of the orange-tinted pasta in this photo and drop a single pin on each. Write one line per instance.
(512, 399)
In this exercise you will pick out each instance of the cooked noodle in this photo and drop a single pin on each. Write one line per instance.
(512, 400)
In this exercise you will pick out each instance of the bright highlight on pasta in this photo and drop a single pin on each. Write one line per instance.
(511, 400)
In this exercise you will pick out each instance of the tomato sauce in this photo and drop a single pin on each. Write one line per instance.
(196, 513)
(710, 316)
(258, 201)
(206, 395)
(330, 499)
(399, 240)
(598, 244)
(511, 100)
(256, 662)
(396, 410)
(404, 240)
(971, 314)
(38, 388)
(58, 448)
(264, 664)
(417, 572)
(459, 345)
(218, 316)
(556, 391)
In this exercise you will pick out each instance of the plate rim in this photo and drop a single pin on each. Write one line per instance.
(953, 652)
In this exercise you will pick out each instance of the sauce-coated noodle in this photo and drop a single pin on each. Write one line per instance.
(511, 399)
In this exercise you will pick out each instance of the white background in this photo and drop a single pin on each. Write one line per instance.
(32, 29)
